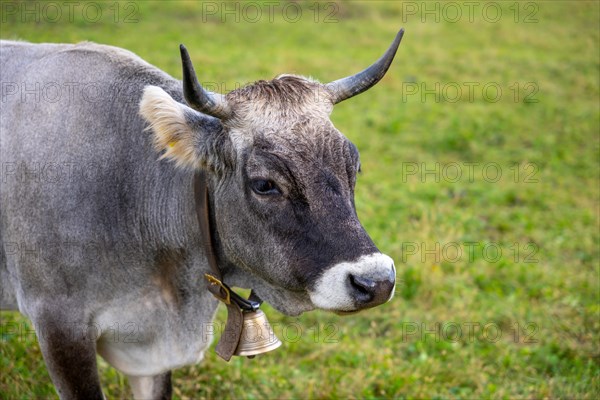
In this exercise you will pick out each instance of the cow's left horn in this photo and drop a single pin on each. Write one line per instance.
(350, 86)
(199, 99)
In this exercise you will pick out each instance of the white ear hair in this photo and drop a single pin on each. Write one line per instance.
(171, 132)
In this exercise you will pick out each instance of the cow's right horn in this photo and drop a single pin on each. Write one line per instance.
(350, 86)
(199, 99)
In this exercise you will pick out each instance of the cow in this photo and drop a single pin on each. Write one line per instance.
(101, 246)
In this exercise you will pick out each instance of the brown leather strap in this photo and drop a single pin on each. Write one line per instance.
(203, 214)
(230, 337)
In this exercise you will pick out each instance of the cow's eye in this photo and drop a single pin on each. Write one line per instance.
(265, 187)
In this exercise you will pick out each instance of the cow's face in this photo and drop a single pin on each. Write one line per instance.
(282, 192)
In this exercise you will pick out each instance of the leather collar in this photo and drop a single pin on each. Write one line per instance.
(236, 305)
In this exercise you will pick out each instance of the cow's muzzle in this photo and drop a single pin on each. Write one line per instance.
(353, 286)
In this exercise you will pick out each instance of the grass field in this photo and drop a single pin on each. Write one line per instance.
(480, 157)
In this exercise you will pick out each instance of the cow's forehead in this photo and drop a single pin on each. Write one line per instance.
(287, 96)
(287, 112)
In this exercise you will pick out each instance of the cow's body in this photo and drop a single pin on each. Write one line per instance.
(100, 246)
(91, 223)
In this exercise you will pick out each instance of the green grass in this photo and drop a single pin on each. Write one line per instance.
(541, 293)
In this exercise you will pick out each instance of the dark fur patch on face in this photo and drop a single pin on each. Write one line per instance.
(314, 221)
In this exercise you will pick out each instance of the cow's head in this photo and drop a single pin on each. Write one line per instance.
(282, 186)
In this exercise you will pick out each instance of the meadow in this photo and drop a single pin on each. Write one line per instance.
(480, 177)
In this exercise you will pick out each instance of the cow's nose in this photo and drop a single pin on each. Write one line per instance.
(355, 285)
(369, 292)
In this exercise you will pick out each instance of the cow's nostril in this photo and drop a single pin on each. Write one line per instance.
(363, 288)
(369, 293)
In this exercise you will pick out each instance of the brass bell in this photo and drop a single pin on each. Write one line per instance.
(257, 335)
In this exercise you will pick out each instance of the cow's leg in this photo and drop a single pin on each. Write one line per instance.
(69, 350)
(156, 387)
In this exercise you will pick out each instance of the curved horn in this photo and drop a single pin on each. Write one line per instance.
(199, 99)
(350, 86)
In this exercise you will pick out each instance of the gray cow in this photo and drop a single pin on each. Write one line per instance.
(100, 245)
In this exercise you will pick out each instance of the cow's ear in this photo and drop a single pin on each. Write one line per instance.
(180, 133)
